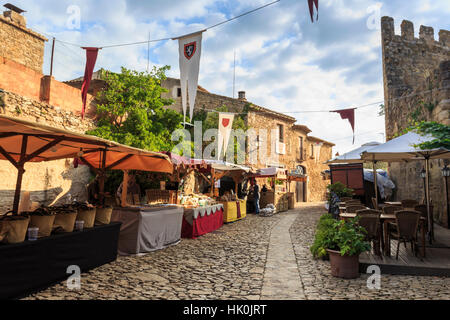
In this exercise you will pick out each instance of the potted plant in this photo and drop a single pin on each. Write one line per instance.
(325, 226)
(344, 241)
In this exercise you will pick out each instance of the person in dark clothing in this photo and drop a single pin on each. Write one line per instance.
(256, 195)
(264, 188)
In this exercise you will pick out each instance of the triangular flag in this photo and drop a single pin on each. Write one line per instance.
(91, 58)
(225, 126)
(190, 48)
(350, 115)
(311, 9)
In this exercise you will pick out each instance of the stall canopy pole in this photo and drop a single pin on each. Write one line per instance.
(102, 177)
(123, 199)
(427, 192)
(375, 183)
(20, 173)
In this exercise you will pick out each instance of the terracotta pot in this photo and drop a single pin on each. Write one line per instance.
(88, 216)
(346, 267)
(44, 223)
(103, 216)
(13, 229)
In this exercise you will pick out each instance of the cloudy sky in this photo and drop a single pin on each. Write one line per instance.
(284, 62)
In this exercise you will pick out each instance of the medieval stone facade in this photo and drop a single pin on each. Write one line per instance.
(294, 148)
(20, 44)
(416, 87)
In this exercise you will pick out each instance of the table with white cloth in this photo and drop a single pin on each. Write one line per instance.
(201, 220)
(145, 228)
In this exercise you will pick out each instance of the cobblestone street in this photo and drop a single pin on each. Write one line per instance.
(257, 258)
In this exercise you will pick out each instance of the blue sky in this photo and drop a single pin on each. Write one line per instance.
(284, 62)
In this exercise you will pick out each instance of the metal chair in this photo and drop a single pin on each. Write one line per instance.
(369, 219)
(409, 203)
(352, 202)
(406, 225)
(391, 209)
(354, 208)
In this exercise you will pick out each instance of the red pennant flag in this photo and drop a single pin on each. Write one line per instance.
(311, 9)
(350, 115)
(91, 58)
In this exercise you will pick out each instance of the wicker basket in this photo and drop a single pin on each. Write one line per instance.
(103, 216)
(65, 221)
(13, 229)
(88, 216)
(44, 223)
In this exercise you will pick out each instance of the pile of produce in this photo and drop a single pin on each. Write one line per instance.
(196, 200)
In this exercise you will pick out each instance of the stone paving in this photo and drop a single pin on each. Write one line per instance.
(256, 258)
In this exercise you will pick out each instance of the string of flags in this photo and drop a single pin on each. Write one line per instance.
(189, 60)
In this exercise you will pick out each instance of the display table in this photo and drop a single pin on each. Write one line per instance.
(146, 229)
(234, 210)
(34, 265)
(202, 220)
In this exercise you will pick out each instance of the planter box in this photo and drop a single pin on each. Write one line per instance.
(346, 267)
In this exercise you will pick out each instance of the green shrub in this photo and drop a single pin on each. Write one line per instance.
(339, 235)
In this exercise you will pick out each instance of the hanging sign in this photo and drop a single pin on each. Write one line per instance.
(190, 48)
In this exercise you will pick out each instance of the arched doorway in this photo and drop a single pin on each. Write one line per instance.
(300, 187)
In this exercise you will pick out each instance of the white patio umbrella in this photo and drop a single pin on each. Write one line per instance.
(354, 156)
(403, 149)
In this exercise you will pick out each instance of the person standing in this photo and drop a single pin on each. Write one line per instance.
(256, 195)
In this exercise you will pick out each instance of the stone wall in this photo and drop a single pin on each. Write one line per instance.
(417, 87)
(50, 181)
(19, 43)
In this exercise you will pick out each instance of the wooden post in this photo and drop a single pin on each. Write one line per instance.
(213, 172)
(375, 185)
(124, 189)
(20, 173)
(102, 178)
(51, 62)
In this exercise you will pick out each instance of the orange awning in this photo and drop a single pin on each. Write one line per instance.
(23, 141)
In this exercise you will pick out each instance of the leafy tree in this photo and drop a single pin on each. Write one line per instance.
(440, 133)
(131, 110)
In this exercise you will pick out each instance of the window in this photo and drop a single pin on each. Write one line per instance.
(312, 150)
(280, 133)
(300, 139)
(178, 92)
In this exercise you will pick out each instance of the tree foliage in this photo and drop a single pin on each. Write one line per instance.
(131, 110)
(440, 133)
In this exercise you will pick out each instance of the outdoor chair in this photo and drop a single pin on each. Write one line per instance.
(409, 203)
(422, 208)
(354, 208)
(406, 226)
(369, 219)
(352, 202)
(391, 209)
(344, 199)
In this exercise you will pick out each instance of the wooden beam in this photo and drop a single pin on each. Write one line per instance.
(39, 151)
(123, 196)
(102, 177)
(128, 156)
(20, 173)
(8, 157)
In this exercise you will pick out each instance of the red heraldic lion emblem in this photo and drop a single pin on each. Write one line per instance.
(189, 49)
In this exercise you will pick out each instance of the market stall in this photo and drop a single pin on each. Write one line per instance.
(277, 195)
(33, 264)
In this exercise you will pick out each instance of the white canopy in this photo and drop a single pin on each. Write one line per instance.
(225, 166)
(402, 149)
(354, 156)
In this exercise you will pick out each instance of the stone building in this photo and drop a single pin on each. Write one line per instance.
(28, 94)
(416, 75)
(294, 148)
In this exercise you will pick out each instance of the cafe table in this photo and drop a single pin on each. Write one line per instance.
(393, 203)
(385, 220)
